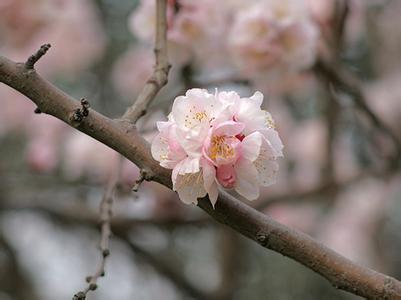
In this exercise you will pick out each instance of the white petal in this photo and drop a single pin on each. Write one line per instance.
(162, 125)
(227, 98)
(267, 170)
(189, 165)
(257, 97)
(209, 179)
(251, 146)
(192, 140)
(159, 147)
(209, 173)
(249, 113)
(195, 108)
(190, 187)
(213, 193)
(274, 139)
(247, 184)
(174, 174)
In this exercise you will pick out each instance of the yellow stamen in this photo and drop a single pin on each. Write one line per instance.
(220, 148)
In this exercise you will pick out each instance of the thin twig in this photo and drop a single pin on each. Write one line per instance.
(106, 212)
(161, 69)
(29, 64)
(144, 175)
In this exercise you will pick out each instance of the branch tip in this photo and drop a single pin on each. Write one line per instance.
(29, 64)
(79, 296)
(144, 175)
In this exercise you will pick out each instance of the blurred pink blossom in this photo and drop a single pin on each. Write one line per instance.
(300, 216)
(194, 31)
(71, 26)
(15, 111)
(350, 227)
(85, 157)
(42, 155)
(45, 135)
(132, 70)
(321, 11)
(306, 147)
(384, 97)
(273, 36)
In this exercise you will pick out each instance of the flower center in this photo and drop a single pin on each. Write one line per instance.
(220, 148)
(194, 118)
(200, 115)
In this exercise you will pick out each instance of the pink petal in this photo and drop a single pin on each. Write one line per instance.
(226, 176)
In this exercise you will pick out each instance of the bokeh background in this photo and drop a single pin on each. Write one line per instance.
(339, 181)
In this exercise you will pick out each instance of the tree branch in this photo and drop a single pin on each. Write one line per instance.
(123, 137)
(161, 69)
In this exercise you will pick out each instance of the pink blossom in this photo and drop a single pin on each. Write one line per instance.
(273, 35)
(219, 139)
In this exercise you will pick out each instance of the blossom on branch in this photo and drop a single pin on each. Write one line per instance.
(219, 139)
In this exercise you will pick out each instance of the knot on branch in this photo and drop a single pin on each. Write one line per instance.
(80, 113)
(262, 238)
(29, 64)
(144, 175)
(389, 287)
(79, 296)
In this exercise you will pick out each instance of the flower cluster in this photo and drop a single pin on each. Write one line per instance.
(218, 139)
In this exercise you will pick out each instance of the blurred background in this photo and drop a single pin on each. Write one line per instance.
(330, 73)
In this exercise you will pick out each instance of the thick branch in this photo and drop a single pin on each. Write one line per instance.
(124, 138)
(161, 69)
